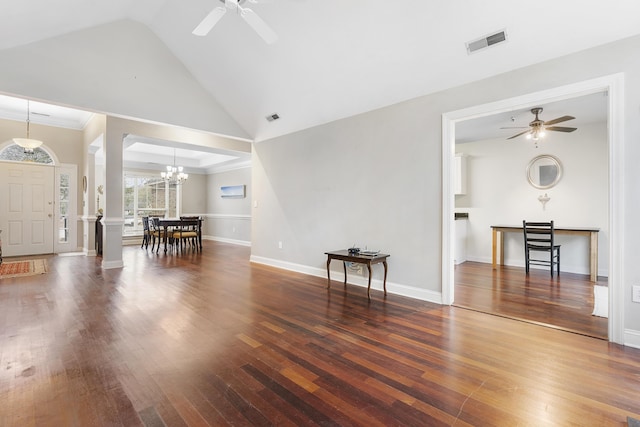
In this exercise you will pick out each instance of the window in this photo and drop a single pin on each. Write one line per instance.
(16, 153)
(146, 195)
(63, 208)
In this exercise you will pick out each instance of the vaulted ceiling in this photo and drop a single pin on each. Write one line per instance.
(332, 58)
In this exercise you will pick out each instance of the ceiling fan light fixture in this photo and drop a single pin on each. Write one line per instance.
(248, 15)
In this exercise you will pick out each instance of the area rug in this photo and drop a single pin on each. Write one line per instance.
(28, 267)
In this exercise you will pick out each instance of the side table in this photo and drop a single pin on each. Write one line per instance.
(344, 256)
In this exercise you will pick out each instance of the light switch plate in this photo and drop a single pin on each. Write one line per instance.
(635, 297)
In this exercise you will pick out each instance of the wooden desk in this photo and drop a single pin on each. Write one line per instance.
(589, 232)
(165, 223)
(344, 256)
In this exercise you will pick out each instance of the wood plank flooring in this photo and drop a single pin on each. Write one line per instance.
(212, 340)
(564, 301)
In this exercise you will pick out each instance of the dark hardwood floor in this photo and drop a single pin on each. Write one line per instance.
(564, 302)
(212, 340)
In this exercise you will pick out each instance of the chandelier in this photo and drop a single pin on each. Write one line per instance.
(174, 174)
(27, 143)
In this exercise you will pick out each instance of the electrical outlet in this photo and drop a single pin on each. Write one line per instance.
(635, 296)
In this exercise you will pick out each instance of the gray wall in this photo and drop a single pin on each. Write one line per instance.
(194, 195)
(229, 219)
(375, 178)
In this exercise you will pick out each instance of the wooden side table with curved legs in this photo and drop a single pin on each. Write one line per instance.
(368, 260)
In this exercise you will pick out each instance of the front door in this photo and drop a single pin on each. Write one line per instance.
(26, 208)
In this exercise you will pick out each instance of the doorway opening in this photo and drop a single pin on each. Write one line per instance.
(611, 85)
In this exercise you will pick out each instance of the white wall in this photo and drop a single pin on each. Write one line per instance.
(120, 68)
(498, 193)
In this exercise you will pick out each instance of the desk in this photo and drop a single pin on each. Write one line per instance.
(165, 223)
(590, 232)
(344, 256)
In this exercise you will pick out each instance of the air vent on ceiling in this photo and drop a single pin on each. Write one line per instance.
(272, 117)
(486, 41)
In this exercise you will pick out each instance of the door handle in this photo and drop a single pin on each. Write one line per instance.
(50, 216)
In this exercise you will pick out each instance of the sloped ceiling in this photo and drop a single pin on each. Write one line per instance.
(333, 58)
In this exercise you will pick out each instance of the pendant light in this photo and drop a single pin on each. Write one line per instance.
(27, 143)
(174, 174)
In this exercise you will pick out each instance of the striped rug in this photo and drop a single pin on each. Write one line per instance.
(28, 267)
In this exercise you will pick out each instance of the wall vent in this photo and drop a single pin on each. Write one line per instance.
(486, 41)
(272, 117)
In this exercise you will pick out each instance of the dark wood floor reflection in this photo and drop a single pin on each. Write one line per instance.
(564, 301)
(209, 339)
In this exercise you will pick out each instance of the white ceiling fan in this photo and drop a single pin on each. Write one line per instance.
(258, 25)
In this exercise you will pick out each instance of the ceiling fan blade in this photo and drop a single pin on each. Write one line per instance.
(559, 128)
(559, 120)
(521, 133)
(209, 21)
(258, 25)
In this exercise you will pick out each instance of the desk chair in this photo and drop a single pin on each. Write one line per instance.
(538, 237)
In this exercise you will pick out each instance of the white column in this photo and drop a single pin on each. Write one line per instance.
(88, 204)
(113, 220)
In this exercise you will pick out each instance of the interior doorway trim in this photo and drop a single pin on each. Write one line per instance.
(614, 86)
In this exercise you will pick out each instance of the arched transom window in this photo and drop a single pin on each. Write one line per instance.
(15, 153)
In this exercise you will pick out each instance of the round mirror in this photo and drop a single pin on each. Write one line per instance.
(544, 171)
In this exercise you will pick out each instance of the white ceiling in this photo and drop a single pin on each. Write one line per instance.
(337, 58)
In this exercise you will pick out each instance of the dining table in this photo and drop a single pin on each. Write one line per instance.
(165, 223)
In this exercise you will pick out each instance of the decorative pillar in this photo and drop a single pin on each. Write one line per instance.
(88, 207)
(113, 220)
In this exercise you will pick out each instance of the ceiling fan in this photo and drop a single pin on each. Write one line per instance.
(254, 21)
(537, 127)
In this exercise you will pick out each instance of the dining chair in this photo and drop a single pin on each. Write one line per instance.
(539, 237)
(146, 233)
(156, 233)
(187, 233)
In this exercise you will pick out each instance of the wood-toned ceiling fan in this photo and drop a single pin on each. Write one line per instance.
(538, 127)
(254, 21)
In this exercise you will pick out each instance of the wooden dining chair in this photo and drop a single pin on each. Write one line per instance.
(187, 233)
(156, 233)
(539, 237)
(146, 233)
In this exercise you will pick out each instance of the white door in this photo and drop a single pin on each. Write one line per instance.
(26, 208)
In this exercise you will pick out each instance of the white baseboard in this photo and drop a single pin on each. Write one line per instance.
(107, 265)
(631, 338)
(353, 279)
(226, 240)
